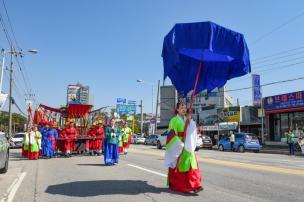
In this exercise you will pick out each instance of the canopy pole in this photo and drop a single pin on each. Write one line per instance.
(192, 96)
(194, 89)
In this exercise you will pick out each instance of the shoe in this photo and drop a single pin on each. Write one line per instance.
(199, 189)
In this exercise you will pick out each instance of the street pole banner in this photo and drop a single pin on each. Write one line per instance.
(256, 90)
(3, 98)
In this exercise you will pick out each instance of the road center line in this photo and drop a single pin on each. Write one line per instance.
(250, 166)
(14, 187)
(147, 170)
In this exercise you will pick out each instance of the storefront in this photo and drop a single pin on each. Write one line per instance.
(284, 112)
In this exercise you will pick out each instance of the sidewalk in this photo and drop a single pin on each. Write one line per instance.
(277, 150)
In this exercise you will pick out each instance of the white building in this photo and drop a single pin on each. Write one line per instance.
(78, 92)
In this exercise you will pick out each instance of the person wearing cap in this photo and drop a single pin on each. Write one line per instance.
(45, 142)
(72, 134)
(111, 147)
(53, 136)
(100, 135)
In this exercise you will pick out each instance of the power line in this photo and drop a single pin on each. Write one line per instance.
(10, 25)
(277, 28)
(266, 84)
(277, 57)
(17, 106)
(275, 63)
(280, 67)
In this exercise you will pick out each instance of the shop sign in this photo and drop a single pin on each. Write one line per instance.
(284, 101)
(230, 114)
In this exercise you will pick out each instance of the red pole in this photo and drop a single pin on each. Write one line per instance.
(193, 92)
(195, 85)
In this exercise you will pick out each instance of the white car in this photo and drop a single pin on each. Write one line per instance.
(17, 140)
(140, 140)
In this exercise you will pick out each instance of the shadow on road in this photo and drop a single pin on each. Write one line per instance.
(104, 187)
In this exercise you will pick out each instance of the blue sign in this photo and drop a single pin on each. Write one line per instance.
(125, 109)
(121, 100)
(284, 101)
(256, 90)
(131, 102)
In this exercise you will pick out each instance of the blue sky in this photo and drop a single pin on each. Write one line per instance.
(109, 44)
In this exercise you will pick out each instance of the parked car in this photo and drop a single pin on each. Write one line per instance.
(4, 153)
(138, 139)
(161, 140)
(151, 140)
(17, 140)
(199, 143)
(207, 142)
(243, 142)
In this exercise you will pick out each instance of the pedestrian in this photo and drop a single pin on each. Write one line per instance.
(184, 174)
(290, 142)
(127, 133)
(232, 140)
(111, 147)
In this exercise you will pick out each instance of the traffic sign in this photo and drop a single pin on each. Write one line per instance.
(152, 120)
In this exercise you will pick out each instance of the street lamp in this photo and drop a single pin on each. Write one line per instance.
(151, 84)
(156, 111)
(20, 53)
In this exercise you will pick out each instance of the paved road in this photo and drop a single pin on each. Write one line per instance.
(140, 176)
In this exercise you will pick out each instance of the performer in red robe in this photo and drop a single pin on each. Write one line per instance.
(100, 135)
(91, 142)
(71, 136)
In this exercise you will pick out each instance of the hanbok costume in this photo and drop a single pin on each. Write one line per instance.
(184, 174)
(44, 141)
(111, 145)
(51, 143)
(127, 133)
(120, 145)
(100, 135)
(25, 145)
(70, 145)
(33, 144)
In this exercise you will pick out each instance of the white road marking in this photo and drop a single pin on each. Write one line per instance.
(147, 170)
(14, 187)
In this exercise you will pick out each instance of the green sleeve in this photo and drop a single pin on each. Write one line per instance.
(108, 132)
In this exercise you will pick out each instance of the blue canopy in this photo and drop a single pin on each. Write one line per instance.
(223, 54)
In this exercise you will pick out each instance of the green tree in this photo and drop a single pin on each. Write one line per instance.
(18, 122)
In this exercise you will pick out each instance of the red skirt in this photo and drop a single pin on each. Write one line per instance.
(33, 155)
(98, 145)
(24, 152)
(120, 150)
(126, 145)
(184, 181)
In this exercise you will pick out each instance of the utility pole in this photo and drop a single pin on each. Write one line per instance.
(141, 117)
(10, 96)
(156, 113)
(262, 120)
(2, 69)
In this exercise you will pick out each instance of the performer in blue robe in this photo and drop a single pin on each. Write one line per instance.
(52, 139)
(47, 146)
(44, 140)
(111, 145)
